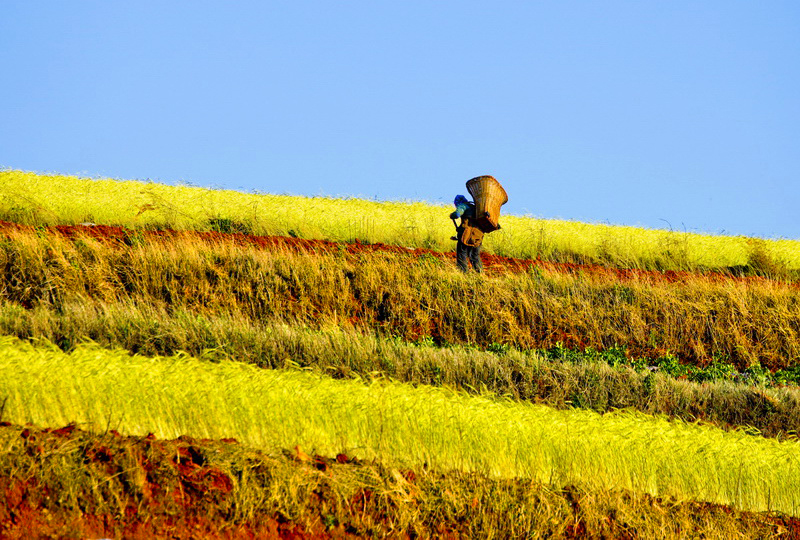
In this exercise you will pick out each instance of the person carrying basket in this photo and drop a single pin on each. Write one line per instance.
(469, 237)
(477, 219)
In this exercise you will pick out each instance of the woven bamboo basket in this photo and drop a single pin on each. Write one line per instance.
(489, 196)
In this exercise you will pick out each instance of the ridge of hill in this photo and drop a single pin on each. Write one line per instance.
(39, 199)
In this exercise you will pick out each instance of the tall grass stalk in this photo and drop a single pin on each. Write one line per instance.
(397, 424)
(44, 199)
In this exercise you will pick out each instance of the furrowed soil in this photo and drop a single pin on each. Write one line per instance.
(69, 483)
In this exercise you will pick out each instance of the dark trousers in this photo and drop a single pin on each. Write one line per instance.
(473, 254)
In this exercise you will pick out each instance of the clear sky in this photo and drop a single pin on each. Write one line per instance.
(682, 114)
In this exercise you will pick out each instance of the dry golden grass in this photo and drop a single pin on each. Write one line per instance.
(698, 319)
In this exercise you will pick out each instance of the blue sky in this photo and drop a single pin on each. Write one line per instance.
(658, 114)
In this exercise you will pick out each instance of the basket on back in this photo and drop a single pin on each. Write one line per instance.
(489, 196)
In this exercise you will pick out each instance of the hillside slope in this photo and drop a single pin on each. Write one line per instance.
(360, 297)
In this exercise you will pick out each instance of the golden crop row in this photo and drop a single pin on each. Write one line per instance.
(396, 424)
(55, 199)
(581, 382)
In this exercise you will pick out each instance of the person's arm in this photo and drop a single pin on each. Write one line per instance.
(460, 209)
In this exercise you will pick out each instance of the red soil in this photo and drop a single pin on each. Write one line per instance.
(494, 264)
(179, 493)
(172, 491)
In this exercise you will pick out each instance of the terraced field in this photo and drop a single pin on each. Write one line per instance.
(223, 383)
